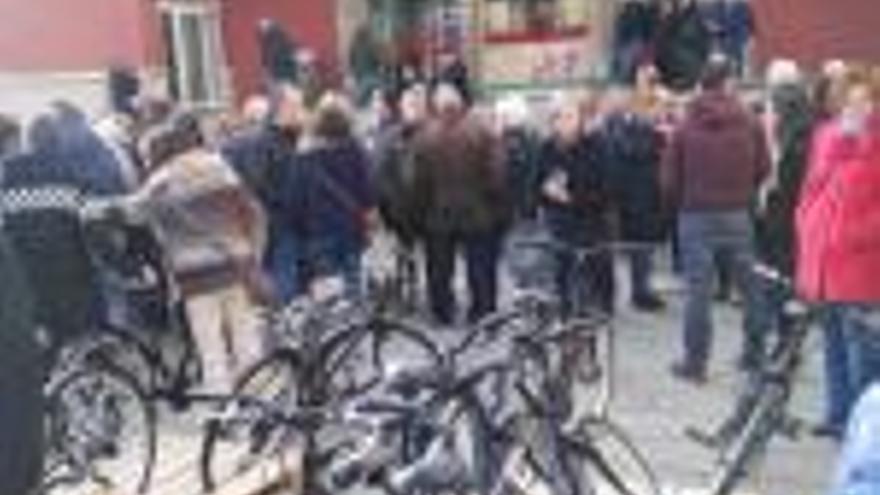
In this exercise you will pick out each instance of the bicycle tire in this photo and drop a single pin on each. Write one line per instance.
(247, 408)
(131, 353)
(747, 448)
(60, 433)
(613, 459)
(359, 358)
(471, 446)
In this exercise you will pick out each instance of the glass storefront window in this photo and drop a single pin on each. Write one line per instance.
(534, 16)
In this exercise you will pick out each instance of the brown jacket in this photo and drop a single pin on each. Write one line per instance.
(460, 184)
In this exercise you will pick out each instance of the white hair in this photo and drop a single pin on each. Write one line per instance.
(256, 108)
(512, 111)
(782, 72)
(447, 97)
(834, 68)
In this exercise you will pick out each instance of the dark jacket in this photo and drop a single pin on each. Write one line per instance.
(637, 22)
(631, 148)
(21, 402)
(40, 198)
(775, 226)
(682, 46)
(460, 183)
(521, 152)
(261, 156)
(394, 180)
(330, 193)
(96, 167)
(717, 159)
(586, 218)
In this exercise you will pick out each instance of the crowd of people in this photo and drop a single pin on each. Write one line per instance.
(254, 211)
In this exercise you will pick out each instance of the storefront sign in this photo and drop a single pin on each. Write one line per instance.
(524, 62)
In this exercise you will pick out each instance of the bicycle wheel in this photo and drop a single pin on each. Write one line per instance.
(448, 453)
(249, 433)
(748, 448)
(359, 358)
(614, 465)
(101, 431)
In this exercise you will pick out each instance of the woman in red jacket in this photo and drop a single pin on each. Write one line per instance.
(839, 236)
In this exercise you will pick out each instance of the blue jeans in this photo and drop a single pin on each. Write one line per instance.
(704, 235)
(334, 257)
(282, 264)
(838, 386)
(861, 328)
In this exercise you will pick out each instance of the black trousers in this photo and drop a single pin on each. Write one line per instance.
(481, 253)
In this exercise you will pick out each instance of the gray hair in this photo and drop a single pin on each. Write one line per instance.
(782, 72)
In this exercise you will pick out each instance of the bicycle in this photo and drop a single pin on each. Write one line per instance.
(592, 437)
(337, 350)
(524, 450)
(166, 359)
(762, 411)
(91, 406)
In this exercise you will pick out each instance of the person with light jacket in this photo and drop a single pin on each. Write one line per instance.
(213, 232)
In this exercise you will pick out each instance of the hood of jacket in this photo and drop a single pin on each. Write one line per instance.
(717, 110)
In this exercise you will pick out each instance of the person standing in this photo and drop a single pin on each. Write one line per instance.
(21, 381)
(838, 249)
(828, 98)
(332, 205)
(789, 125)
(395, 172)
(712, 170)
(462, 204)
(213, 232)
(41, 193)
(576, 205)
(631, 148)
(263, 154)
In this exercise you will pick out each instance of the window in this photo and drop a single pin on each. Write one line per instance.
(194, 55)
(531, 16)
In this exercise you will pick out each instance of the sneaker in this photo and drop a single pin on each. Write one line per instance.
(649, 303)
(690, 374)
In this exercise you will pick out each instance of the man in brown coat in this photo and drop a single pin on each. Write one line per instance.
(461, 204)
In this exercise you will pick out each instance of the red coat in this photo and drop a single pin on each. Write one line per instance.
(838, 218)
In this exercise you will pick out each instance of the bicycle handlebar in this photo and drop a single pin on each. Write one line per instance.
(584, 252)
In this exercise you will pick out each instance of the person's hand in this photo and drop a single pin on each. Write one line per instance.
(555, 189)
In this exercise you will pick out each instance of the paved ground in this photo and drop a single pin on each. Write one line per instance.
(652, 406)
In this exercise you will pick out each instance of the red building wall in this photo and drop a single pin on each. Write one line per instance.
(812, 31)
(75, 35)
(311, 22)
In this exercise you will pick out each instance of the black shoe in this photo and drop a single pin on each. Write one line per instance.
(749, 365)
(649, 303)
(690, 374)
(827, 430)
